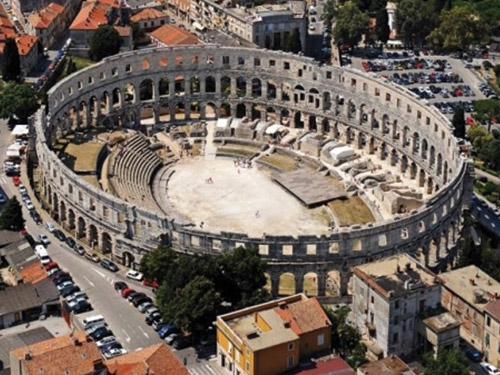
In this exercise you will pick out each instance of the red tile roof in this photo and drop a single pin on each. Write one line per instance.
(173, 36)
(147, 14)
(25, 43)
(60, 355)
(392, 365)
(304, 316)
(493, 308)
(158, 358)
(327, 366)
(43, 18)
(92, 14)
(33, 273)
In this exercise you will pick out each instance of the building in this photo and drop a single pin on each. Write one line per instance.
(388, 297)
(28, 52)
(74, 354)
(154, 360)
(466, 293)
(178, 7)
(48, 24)
(272, 337)
(392, 365)
(328, 365)
(266, 26)
(168, 35)
(100, 12)
(25, 302)
(150, 18)
(491, 347)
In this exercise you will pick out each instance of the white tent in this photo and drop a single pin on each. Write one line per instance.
(236, 123)
(15, 147)
(342, 152)
(223, 122)
(275, 128)
(261, 125)
(13, 154)
(20, 130)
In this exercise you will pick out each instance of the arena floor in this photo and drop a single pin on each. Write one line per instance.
(247, 202)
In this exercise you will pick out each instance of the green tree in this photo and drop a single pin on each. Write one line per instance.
(468, 253)
(105, 42)
(345, 338)
(12, 216)
(496, 69)
(11, 65)
(70, 67)
(18, 101)
(156, 264)
(292, 42)
(137, 32)
(195, 308)
(351, 24)
(382, 29)
(490, 154)
(486, 110)
(479, 136)
(459, 28)
(449, 362)
(458, 123)
(414, 21)
(329, 12)
(490, 262)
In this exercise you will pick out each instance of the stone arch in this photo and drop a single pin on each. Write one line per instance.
(272, 88)
(386, 124)
(333, 283)
(421, 178)
(255, 112)
(116, 98)
(194, 110)
(299, 123)
(286, 92)
(406, 140)
(241, 87)
(325, 124)
(210, 86)
(256, 88)
(312, 123)
(432, 157)
(211, 110)
(225, 109)
(404, 164)
(62, 212)
(225, 86)
(180, 111)
(287, 284)
(71, 219)
(128, 259)
(106, 243)
(164, 86)
(439, 166)
(310, 284)
(445, 172)
(93, 237)
(271, 114)
(327, 101)
(416, 143)
(285, 117)
(179, 85)
(194, 85)
(146, 88)
(241, 110)
(425, 148)
(81, 230)
(104, 103)
(130, 94)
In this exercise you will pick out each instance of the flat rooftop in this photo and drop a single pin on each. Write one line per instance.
(392, 365)
(473, 285)
(399, 274)
(311, 188)
(442, 322)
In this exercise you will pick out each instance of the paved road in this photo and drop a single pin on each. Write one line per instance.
(490, 177)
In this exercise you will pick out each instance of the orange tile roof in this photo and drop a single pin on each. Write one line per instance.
(33, 273)
(65, 354)
(493, 308)
(92, 14)
(173, 36)
(158, 358)
(123, 30)
(25, 43)
(304, 316)
(147, 14)
(43, 18)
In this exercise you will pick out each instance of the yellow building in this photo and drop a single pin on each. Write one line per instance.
(491, 342)
(272, 337)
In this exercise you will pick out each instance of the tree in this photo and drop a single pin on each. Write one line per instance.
(486, 110)
(468, 253)
(449, 362)
(350, 25)
(70, 67)
(490, 153)
(12, 216)
(137, 32)
(478, 136)
(382, 29)
(459, 28)
(293, 43)
(18, 101)
(496, 69)
(105, 42)
(458, 123)
(195, 308)
(345, 338)
(414, 21)
(329, 12)
(11, 65)
(156, 264)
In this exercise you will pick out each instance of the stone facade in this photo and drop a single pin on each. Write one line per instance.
(324, 99)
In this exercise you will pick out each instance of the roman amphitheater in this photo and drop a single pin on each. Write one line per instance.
(207, 148)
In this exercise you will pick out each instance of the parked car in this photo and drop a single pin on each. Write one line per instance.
(109, 265)
(125, 292)
(35, 216)
(120, 285)
(473, 355)
(109, 346)
(44, 239)
(57, 274)
(76, 295)
(70, 242)
(69, 290)
(105, 341)
(150, 319)
(134, 275)
(114, 352)
(16, 180)
(50, 227)
(152, 310)
(59, 235)
(166, 330)
(139, 301)
(158, 324)
(170, 338)
(489, 369)
(144, 306)
(2, 198)
(29, 204)
(133, 295)
(64, 284)
(79, 249)
(101, 333)
(181, 343)
(50, 266)
(93, 257)
(95, 327)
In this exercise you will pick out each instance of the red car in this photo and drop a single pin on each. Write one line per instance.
(51, 265)
(16, 180)
(125, 292)
(149, 283)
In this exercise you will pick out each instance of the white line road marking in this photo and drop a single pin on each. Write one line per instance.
(127, 337)
(99, 273)
(112, 281)
(143, 332)
(90, 282)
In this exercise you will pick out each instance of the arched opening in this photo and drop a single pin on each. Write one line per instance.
(333, 283)
(106, 243)
(164, 87)
(116, 98)
(325, 124)
(194, 84)
(310, 286)
(241, 110)
(416, 143)
(425, 148)
(179, 85)
(225, 110)
(82, 228)
(210, 110)
(286, 92)
(271, 90)
(432, 157)
(287, 284)
(146, 90)
(241, 87)
(62, 212)
(256, 88)
(128, 259)
(93, 239)
(256, 112)
(312, 123)
(104, 103)
(194, 110)
(71, 219)
(439, 167)
(271, 114)
(285, 117)
(129, 93)
(225, 86)
(299, 123)
(210, 84)
(180, 111)
(327, 101)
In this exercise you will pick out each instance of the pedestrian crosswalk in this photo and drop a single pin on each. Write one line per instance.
(202, 369)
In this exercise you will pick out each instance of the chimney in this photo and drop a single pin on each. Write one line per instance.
(282, 305)
(28, 356)
(98, 364)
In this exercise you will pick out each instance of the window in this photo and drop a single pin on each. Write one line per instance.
(395, 338)
(396, 304)
(114, 72)
(225, 60)
(256, 62)
(286, 65)
(291, 346)
(247, 366)
(248, 351)
(488, 321)
(291, 361)
(396, 320)
(487, 340)
(272, 62)
(321, 339)
(372, 299)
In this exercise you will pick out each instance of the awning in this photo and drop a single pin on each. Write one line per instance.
(20, 130)
(13, 154)
(275, 128)
(198, 26)
(15, 147)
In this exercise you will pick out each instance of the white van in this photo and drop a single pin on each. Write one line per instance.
(42, 254)
(92, 320)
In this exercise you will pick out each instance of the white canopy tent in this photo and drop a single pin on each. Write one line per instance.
(20, 130)
(342, 152)
(223, 122)
(276, 128)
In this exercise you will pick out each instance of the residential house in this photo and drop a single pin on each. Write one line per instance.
(272, 337)
(466, 293)
(48, 24)
(491, 347)
(392, 365)
(169, 35)
(150, 18)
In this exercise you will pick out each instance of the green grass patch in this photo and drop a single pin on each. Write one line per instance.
(81, 62)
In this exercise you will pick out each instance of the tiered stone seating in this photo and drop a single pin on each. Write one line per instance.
(132, 168)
